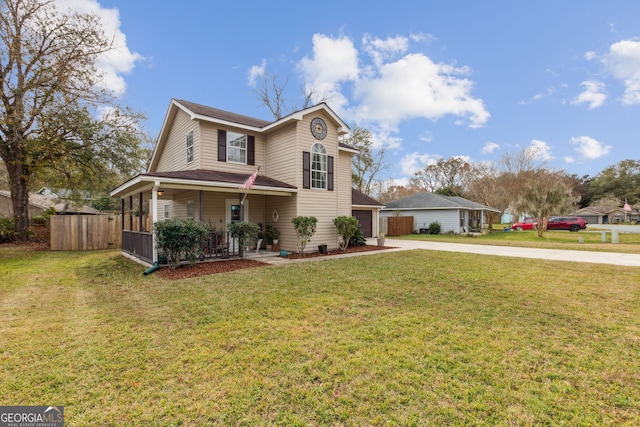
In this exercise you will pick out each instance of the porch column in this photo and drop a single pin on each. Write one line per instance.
(122, 213)
(130, 213)
(201, 214)
(139, 212)
(154, 218)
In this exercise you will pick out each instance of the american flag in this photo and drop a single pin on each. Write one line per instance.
(246, 186)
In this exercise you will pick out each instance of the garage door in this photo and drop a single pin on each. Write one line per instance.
(366, 221)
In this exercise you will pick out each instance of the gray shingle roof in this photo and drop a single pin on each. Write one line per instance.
(434, 201)
(223, 115)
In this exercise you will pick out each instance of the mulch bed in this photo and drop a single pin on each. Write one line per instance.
(350, 250)
(214, 267)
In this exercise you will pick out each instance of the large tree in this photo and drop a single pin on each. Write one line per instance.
(369, 163)
(51, 94)
(272, 95)
(546, 194)
(449, 175)
(621, 180)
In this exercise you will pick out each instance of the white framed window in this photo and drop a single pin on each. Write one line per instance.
(191, 209)
(166, 211)
(236, 148)
(318, 167)
(190, 153)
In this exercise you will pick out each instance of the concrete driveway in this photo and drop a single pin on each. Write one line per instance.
(623, 228)
(632, 260)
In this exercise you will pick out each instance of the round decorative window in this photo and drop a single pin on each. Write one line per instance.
(318, 128)
(275, 216)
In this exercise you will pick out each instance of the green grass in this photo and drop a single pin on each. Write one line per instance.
(405, 338)
(591, 240)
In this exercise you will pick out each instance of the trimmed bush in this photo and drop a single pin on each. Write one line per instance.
(346, 227)
(434, 227)
(246, 233)
(305, 227)
(181, 240)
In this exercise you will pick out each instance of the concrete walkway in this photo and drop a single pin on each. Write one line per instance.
(611, 258)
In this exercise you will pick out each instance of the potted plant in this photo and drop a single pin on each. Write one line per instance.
(271, 236)
(381, 239)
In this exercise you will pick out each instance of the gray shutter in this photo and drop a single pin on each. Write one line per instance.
(306, 169)
(222, 145)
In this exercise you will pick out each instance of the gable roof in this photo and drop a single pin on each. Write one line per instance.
(227, 118)
(435, 201)
(358, 198)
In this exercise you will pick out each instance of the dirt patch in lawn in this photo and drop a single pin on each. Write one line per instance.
(224, 266)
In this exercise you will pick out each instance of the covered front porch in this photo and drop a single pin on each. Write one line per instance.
(207, 196)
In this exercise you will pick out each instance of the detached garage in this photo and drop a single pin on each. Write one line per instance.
(366, 210)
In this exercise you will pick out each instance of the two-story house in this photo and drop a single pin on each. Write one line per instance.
(203, 156)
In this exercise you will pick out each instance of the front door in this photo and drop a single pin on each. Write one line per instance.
(233, 215)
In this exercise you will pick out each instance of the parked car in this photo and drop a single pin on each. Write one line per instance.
(571, 223)
(525, 224)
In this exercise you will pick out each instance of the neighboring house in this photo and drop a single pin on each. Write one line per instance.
(367, 211)
(593, 214)
(39, 203)
(455, 214)
(203, 155)
(600, 215)
(507, 218)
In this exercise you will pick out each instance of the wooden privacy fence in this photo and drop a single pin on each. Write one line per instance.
(399, 225)
(85, 232)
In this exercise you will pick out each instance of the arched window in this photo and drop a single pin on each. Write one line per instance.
(318, 167)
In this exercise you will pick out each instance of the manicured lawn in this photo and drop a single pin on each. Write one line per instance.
(404, 338)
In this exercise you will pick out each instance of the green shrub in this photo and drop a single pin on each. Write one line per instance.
(346, 227)
(305, 227)
(246, 233)
(358, 239)
(179, 240)
(434, 227)
(271, 233)
(7, 229)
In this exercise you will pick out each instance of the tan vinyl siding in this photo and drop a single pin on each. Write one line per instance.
(209, 150)
(174, 155)
(281, 157)
(343, 183)
(322, 204)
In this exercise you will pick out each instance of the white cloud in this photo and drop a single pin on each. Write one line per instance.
(426, 136)
(116, 62)
(539, 150)
(416, 87)
(540, 95)
(569, 159)
(490, 147)
(593, 94)
(589, 56)
(623, 62)
(256, 72)
(396, 86)
(334, 61)
(415, 161)
(381, 50)
(590, 148)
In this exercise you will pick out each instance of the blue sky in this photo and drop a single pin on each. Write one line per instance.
(430, 79)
